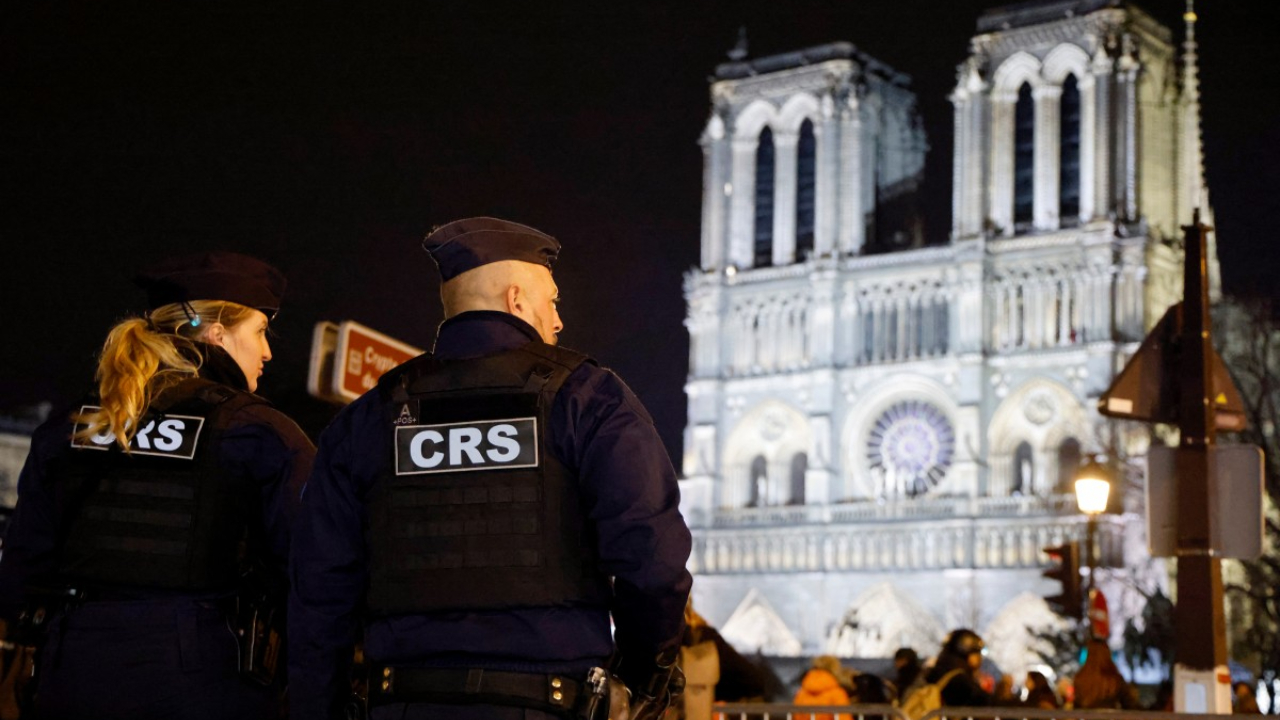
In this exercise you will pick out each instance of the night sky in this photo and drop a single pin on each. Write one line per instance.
(329, 143)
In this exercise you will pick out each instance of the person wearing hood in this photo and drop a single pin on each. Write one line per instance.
(153, 517)
(956, 669)
(824, 684)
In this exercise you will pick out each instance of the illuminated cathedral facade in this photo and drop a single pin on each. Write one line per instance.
(882, 433)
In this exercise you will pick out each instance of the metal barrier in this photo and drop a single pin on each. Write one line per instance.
(781, 711)
(1021, 713)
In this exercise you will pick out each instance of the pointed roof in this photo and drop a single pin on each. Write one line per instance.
(755, 625)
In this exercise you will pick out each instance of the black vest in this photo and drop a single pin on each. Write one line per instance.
(165, 515)
(474, 511)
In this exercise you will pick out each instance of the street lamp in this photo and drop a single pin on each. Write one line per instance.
(1092, 490)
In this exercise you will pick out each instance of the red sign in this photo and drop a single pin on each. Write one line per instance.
(1099, 618)
(362, 356)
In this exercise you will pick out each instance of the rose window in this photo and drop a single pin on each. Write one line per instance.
(910, 448)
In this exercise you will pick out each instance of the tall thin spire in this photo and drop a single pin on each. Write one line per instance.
(1193, 164)
(1195, 197)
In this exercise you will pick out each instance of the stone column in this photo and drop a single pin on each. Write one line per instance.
(715, 154)
(1128, 84)
(1103, 136)
(969, 179)
(853, 324)
(1047, 156)
(1002, 166)
(1088, 138)
(742, 203)
(784, 198)
(1064, 312)
(852, 230)
(826, 134)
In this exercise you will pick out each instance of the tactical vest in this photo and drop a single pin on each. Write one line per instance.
(474, 511)
(164, 515)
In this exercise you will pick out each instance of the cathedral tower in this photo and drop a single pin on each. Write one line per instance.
(881, 434)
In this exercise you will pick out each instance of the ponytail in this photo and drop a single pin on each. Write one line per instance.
(142, 358)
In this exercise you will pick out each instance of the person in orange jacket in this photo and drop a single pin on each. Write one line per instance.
(822, 685)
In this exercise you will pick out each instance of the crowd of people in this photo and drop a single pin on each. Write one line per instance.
(957, 678)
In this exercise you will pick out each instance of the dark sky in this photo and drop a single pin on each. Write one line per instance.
(329, 142)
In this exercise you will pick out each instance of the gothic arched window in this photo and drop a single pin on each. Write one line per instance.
(799, 464)
(1068, 465)
(806, 179)
(764, 200)
(759, 482)
(1023, 470)
(1069, 148)
(1024, 156)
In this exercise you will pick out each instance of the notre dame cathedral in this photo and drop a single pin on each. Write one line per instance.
(882, 434)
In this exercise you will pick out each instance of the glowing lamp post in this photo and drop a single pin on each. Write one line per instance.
(1092, 490)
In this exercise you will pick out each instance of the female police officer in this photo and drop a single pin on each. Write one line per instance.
(142, 514)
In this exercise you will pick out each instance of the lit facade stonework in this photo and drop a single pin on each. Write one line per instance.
(881, 432)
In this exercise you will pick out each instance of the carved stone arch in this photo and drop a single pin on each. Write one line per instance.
(797, 109)
(1042, 413)
(754, 118)
(860, 480)
(775, 431)
(1018, 68)
(1065, 59)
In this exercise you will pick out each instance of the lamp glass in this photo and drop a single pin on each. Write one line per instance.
(1091, 494)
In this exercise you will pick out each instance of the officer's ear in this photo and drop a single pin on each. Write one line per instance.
(515, 300)
(215, 334)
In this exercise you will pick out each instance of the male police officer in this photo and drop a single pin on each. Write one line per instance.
(484, 511)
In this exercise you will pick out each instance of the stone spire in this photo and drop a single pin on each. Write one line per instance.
(1193, 151)
(738, 52)
(1195, 193)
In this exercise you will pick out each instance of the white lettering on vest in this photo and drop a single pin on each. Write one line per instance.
(503, 436)
(141, 438)
(170, 431)
(415, 449)
(170, 436)
(480, 444)
(464, 439)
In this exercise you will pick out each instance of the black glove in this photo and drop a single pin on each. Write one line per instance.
(654, 686)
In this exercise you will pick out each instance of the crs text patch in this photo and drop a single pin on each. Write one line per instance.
(473, 445)
(172, 436)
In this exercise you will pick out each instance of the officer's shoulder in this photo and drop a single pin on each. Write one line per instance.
(564, 357)
(596, 384)
(247, 410)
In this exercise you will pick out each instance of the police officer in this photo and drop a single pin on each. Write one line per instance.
(144, 511)
(479, 517)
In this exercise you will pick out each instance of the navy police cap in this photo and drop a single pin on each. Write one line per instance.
(225, 276)
(467, 244)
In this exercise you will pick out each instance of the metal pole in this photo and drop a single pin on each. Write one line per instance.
(1091, 539)
(1201, 678)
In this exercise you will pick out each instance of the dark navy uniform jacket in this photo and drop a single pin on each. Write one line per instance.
(601, 432)
(260, 444)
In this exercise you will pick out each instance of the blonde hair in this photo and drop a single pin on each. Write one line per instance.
(143, 357)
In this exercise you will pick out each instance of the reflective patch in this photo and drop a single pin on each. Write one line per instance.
(171, 436)
(459, 447)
